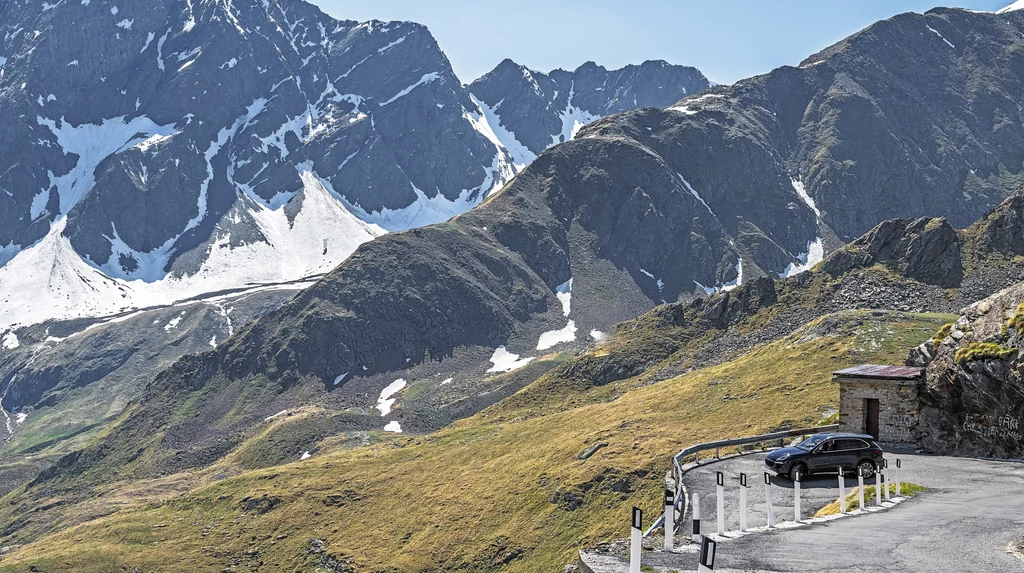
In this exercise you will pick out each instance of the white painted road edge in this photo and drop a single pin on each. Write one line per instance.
(736, 534)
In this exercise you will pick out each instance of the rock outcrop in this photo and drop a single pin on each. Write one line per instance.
(974, 393)
(925, 249)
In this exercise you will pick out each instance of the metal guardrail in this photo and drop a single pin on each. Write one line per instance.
(678, 469)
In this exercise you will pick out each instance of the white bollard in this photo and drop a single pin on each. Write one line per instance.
(721, 503)
(860, 488)
(768, 505)
(670, 517)
(878, 488)
(888, 494)
(696, 518)
(899, 488)
(842, 492)
(743, 502)
(796, 496)
(636, 535)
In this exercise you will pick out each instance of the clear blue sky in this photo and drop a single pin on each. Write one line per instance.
(727, 39)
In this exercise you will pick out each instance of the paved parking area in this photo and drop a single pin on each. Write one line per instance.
(967, 520)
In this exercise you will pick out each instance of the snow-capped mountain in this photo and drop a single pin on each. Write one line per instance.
(537, 110)
(154, 151)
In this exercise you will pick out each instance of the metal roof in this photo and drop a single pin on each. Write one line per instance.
(880, 371)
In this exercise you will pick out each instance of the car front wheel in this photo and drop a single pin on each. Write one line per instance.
(798, 469)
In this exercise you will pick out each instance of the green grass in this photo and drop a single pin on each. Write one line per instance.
(1017, 321)
(486, 494)
(983, 351)
(941, 335)
(870, 492)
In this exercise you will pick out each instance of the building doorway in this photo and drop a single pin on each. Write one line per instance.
(871, 417)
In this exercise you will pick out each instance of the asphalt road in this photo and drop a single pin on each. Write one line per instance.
(966, 521)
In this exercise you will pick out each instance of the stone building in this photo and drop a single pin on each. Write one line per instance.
(880, 400)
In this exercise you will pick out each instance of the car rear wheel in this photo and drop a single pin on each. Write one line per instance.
(798, 469)
(866, 468)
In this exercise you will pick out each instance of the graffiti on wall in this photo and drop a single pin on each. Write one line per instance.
(1003, 427)
(900, 426)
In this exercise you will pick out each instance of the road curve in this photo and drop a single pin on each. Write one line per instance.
(967, 520)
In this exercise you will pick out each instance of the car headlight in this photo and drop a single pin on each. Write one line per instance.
(782, 458)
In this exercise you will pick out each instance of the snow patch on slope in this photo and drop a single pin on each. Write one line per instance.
(505, 361)
(1018, 5)
(566, 333)
(937, 33)
(426, 79)
(93, 143)
(554, 337)
(573, 119)
(422, 212)
(738, 281)
(488, 123)
(694, 193)
(385, 401)
(393, 426)
(687, 107)
(10, 341)
(807, 199)
(814, 255)
(51, 281)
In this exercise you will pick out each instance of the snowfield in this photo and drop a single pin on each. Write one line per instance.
(51, 281)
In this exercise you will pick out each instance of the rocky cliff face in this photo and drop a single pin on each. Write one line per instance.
(925, 249)
(891, 122)
(974, 393)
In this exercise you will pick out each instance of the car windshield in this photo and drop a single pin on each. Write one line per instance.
(809, 443)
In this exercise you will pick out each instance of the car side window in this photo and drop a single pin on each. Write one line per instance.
(852, 444)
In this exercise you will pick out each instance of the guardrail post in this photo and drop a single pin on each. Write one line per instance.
(636, 533)
(878, 486)
(899, 489)
(721, 503)
(842, 491)
(743, 502)
(796, 495)
(860, 486)
(696, 518)
(670, 514)
(768, 505)
(888, 495)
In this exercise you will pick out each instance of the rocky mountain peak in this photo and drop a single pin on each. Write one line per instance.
(1002, 231)
(926, 249)
(213, 134)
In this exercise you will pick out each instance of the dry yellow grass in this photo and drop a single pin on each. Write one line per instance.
(478, 496)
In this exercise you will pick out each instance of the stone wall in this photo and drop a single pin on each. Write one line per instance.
(898, 407)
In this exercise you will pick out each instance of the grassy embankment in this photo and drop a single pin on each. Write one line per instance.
(870, 491)
(502, 490)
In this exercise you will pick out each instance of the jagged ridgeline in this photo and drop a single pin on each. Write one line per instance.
(155, 151)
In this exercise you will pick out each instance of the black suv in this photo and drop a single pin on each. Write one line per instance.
(827, 453)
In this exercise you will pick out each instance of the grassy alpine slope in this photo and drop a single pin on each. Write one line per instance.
(502, 490)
